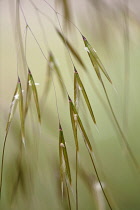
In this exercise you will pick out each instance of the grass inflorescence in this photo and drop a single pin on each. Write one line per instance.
(56, 82)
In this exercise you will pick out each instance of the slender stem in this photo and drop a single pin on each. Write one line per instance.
(42, 13)
(62, 32)
(68, 194)
(19, 35)
(43, 30)
(65, 41)
(20, 155)
(2, 163)
(76, 179)
(27, 25)
(63, 16)
(97, 175)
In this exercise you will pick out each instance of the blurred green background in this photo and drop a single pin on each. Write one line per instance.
(112, 28)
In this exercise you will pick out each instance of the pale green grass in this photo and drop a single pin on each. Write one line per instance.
(31, 176)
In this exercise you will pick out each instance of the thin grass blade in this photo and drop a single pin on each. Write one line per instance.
(63, 150)
(67, 189)
(13, 107)
(97, 64)
(95, 59)
(89, 148)
(61, 161)
(21, 112)
(86, 139)
(76, 92)
(84, 95)
(74, 127)
(35, 94)
(28, 96)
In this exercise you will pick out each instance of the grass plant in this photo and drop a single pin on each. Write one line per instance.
(66, 126)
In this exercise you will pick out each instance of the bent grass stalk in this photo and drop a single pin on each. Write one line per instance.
(88, 146)
(98, 65)
(17, 98)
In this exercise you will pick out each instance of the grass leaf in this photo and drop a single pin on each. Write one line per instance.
(95, 60)
(74, 126)
(86, 139)
(97, 64)
(13, 107)
(21, 111)
(84, 94)
(63, 154)
(28, 96)
(76, 92)
(89, 147)
(32, 83)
